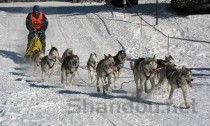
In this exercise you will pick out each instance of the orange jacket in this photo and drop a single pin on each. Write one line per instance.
(36, 23)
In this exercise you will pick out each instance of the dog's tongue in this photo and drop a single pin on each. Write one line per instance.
(190, 84)
(110, 65)
(124, 58)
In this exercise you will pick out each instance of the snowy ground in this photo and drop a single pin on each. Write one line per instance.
(25, 100)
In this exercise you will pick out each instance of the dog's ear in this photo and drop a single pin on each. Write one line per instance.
(146, 60)
(95, 54)
(105, 56)
(183, 67)
(154, 57)
(78, 58)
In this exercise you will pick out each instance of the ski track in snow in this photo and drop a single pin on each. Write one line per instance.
(25, 100)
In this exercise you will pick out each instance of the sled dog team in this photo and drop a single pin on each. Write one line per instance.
(144, 70)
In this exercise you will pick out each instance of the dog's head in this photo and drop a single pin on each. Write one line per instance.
(109, 61)
(53, 54)
(121, 55)
(68, 52)
(93, 58)
(151, 64)
(186, 76)
(37, 56)
(40, 56)
(74, 61)
(169, 61)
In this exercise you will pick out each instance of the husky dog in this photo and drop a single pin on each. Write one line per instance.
(48, 63)
(69, 66)
(163, 65)
(91, 65)
(37, 57)
(179, 78)
(104, 70)
(143, 71)
(119, 60)
(67, 52)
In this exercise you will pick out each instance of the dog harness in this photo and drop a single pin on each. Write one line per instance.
(171, 73)
(147, 77)
(46, 61)
(107, 74)
(36, 23)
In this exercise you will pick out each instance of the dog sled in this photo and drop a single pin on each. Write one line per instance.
(35, 45)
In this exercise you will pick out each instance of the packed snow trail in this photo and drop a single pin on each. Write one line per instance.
(25, 100)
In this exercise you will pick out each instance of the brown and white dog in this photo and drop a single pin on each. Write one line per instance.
(119, 60)
(69, 67)
(104, 70)
(37, 57)
(144, 70)
(49, 62)
(91, 66)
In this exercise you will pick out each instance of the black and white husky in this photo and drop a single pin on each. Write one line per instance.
(48, 63)
(119, 60)
(69, 67)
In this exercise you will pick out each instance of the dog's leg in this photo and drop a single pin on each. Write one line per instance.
(71, 79)
(184, 92)
(141, 82)
(152, 81)
(171, 94)
(67, 81)
(137, 87)
(104, 84)
(62, 74)
(109, 82)
(115, 78)
(91, 74)
(97, 86)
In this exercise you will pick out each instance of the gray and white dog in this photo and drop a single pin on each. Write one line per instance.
(49, 62)
(69, 67)
(144, 70)
(91, 66)
(67, 52)
(179, 78)
(168, 62)
(104, 70)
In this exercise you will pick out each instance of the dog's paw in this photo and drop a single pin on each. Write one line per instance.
(138, 96)
(187, 106)
(169, 102)
(98, 89)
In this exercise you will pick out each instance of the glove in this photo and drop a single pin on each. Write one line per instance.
(41, 34)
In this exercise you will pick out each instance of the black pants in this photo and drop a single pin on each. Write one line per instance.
(41, 36)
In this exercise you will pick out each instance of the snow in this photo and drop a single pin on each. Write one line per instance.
(94, 27)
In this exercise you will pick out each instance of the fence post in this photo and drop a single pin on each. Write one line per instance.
(168, 44)
(141, 24)
(156, 12)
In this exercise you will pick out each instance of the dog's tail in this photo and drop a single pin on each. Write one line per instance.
(132, 65)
